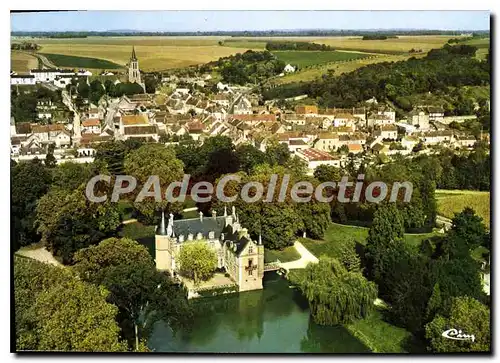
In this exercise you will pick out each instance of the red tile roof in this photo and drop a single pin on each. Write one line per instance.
(91, 122)
(316, 155)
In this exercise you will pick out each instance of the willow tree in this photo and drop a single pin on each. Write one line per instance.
(335, 295)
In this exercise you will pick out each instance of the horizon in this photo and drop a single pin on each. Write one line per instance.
(251, 20)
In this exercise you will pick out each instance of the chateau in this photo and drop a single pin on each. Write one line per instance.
(134, 74)
(242, 258)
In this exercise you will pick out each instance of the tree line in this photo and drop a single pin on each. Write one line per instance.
(379, 37)
(249, 67)
(450, 66)
(242, 33)
(304, 46)
(24, 46)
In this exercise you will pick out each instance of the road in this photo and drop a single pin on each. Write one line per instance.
(44, 61)
(306, 257)
(77, 134)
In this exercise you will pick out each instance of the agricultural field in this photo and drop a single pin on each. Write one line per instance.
(154, 53)
(311, 58)
(245, 43)
(21, 62)
(402, 44)
(312, 73)
(62, 61)
(162, 52)
(450, 202)
(482, 44)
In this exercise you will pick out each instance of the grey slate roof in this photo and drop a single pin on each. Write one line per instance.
(240, 241)
(195, 226)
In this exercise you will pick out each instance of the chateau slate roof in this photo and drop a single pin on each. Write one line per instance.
(195, 226)
(240, 241)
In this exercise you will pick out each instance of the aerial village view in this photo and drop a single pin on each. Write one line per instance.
(217, 182)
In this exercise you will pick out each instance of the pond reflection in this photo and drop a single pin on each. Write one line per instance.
(273, 320)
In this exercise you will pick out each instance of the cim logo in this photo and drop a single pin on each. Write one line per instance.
(457, 335)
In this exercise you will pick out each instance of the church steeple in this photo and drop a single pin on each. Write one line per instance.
(134, 74)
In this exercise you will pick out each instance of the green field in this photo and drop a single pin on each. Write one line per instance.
(311, 58)
(379, 335)
(288, 254)
(450, 202)
(338, 234)
(61, 60)
(338, 68)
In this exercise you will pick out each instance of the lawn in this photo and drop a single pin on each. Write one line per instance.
(379, 335)
(141, 233)
(311, 58)
(21, 62)
(126, 209)
(450, 202)
(190, 214)
(338, 234)
(287, 255)
(71, 61)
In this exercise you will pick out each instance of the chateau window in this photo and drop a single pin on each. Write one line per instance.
(250, 249)
(250, 267)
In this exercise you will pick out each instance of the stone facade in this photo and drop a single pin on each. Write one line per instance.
(242, 258)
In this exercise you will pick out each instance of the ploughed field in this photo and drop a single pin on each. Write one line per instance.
(22, 62)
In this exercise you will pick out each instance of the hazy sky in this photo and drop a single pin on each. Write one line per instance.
(248, 20)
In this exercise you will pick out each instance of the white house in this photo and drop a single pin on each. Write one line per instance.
(289, 69)
(315, 158)
(22, 79)
(327, 141)
(386, 132)
(91, 126)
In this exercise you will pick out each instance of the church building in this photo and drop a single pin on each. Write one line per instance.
(242, 258)
(134, 74)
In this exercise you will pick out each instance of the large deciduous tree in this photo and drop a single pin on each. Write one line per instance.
(142, 294)
(153, 160)
(197, 261)
(468, 316)
(29, 182)
(56, 311)
(68, 221)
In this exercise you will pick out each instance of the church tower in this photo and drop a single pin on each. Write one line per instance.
(134, 75)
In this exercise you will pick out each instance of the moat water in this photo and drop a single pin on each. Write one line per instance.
(273, 320)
